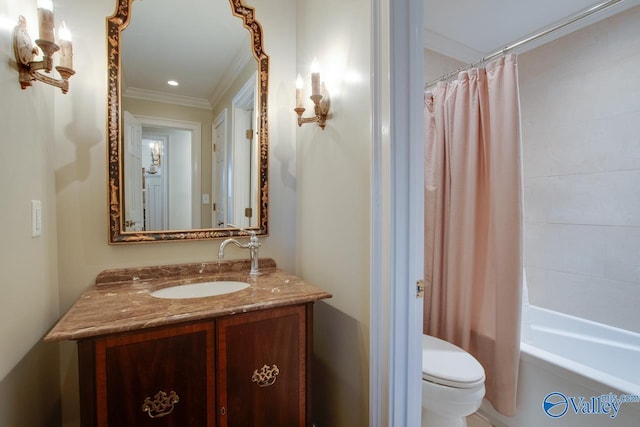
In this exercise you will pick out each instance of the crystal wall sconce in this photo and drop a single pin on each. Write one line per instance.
(319, 96)
(25, 52)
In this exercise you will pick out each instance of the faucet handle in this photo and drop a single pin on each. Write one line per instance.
(251, 233)
(254, 242)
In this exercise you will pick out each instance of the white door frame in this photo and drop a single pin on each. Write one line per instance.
(243, 99)
(221, 199)
(397, 229)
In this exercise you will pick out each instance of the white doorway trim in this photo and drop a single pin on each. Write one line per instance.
(243, 183)
(220, 121)
(397, 214)
(196, 171)
(246, 94)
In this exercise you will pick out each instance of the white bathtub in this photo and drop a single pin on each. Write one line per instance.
(577, 358)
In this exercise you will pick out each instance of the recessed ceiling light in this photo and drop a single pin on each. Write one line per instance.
(172, 83)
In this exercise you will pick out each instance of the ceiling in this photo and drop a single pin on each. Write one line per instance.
(198, 43)
(468, 30)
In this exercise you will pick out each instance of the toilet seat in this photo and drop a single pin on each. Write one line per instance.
(448, 365)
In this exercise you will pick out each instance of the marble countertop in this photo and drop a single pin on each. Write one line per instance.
(121, 299)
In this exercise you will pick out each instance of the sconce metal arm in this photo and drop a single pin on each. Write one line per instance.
(321, 110)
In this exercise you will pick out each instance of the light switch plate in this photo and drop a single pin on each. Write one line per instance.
(205, 199)
(36, 218)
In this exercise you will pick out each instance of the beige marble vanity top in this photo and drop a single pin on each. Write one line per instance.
(121, 299)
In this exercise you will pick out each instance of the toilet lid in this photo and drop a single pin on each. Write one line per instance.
(447, 364)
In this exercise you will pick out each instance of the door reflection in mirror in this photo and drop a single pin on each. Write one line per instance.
(161, 155)
(243, 158)
(133, 201)
(219, 196)
(154, 185)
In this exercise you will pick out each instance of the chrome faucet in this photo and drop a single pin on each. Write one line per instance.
(253, 246)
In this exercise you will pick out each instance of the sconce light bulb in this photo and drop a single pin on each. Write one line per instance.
(45, 4)
(64, 32)
(172, 83)
(299, 82)
(315, 67)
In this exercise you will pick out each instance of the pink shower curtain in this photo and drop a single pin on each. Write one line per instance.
(473, 221)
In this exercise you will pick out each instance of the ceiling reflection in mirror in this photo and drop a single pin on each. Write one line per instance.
(187, 160)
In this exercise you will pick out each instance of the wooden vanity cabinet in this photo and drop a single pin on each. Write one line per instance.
(243, 370)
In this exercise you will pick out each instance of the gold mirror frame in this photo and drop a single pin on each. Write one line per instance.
(115, 196)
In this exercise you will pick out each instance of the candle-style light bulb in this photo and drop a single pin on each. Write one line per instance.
(64, 32)
(315, 66)
(315, 78)
(45, 20)
(45, 4)
(66, 49)
(299, 88)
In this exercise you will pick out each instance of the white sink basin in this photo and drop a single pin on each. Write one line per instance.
(199, 290)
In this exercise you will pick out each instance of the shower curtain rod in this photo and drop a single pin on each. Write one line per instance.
(497, 53)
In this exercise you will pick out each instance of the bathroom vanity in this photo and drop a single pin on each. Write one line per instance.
(235, 359)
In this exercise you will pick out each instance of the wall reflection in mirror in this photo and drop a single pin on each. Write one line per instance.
(188, 138)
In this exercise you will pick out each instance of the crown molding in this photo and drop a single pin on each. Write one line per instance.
(150, 95)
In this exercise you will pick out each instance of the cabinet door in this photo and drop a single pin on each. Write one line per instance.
(159, 378)
(262, 365)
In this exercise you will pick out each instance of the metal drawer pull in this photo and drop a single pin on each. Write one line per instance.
(161, 405)
(266, 377)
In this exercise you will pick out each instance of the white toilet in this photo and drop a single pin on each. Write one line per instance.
(452, 384)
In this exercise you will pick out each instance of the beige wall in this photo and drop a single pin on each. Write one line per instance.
(29, 300)
(333, 208)
(581, 139)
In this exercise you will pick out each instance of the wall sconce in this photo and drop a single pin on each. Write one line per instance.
(25, 52)
(154, 148)
(319, 96)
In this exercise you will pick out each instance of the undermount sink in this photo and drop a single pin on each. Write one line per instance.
(199, 290)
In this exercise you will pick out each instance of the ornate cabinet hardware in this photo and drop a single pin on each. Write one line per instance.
(161, 405)
(266, 376)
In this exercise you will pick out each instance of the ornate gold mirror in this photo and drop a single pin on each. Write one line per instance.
(189, 161)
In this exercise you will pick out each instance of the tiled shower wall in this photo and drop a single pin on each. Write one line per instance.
(580, 100)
